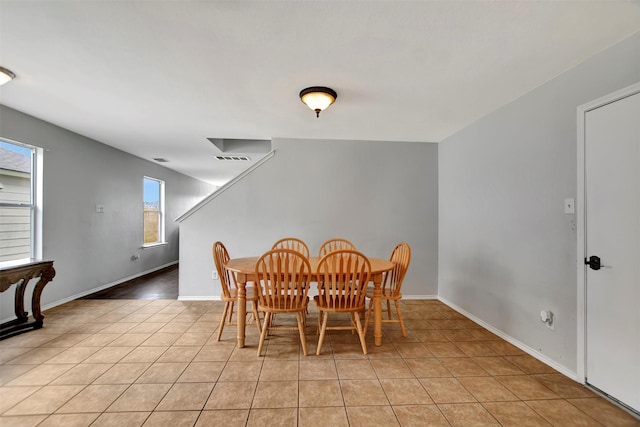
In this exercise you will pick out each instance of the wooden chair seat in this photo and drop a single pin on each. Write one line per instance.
(386, 293)
(284, 306)
(338, 307)
(252, 294)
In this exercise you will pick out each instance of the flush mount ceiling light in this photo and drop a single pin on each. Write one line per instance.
(318, 98)
(6, 75)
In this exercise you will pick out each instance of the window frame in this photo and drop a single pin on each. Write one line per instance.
(161, 213)
(35, 204)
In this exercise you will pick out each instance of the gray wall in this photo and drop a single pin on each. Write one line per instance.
(375, 194)
(507, 250)
(93, 249)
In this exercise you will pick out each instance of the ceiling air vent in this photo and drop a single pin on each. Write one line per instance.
(160, 160)
(233, 158)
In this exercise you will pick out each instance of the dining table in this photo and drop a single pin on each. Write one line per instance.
(245, 270)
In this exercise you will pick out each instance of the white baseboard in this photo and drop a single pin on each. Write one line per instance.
(408, 297)
(199, 298)
(522, 346)
(217, 297)
(97, 289)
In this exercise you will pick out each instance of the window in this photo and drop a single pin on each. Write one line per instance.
(18, 202)
(153, 194)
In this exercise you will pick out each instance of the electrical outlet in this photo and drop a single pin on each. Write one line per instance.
(214, 275)
(548, 318)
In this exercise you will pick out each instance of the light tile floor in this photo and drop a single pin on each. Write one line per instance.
(156, 363)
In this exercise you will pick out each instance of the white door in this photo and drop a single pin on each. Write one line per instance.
(612, 182)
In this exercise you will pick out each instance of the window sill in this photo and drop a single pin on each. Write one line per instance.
(154, 245)
(17, 262)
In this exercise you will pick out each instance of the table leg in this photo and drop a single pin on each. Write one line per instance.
(21, 315)
(242, 307)
(377, 309)
(46, 277)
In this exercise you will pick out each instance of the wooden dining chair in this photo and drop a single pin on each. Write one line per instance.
(283, 287)
(335, 245)
(342, 282)
(293, 244)
(391, 286)
(230, 288)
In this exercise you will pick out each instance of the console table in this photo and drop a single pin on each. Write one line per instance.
(20, 275)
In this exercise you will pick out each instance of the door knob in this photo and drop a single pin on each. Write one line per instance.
(594, 263)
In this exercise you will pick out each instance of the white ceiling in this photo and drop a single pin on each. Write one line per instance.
(157, 78)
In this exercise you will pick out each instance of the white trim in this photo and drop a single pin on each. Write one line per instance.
(224, 188)
(581, 254)
(416, 297)
(217, 297)
(98, 288)
(522, 346)
(36, 196)
(154, 245)
(199, 298)
(161, 213)
(38, 202)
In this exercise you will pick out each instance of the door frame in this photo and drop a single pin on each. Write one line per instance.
(581, 268)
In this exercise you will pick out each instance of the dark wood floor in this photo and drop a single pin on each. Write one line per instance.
(162, 284)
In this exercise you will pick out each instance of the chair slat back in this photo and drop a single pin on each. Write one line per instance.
(335, 245)
(401, 256)
(220, 258)
(343, 276)
(283, 276)
(293, 244)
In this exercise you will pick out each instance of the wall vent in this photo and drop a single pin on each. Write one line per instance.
(160, 160)
(233, 158)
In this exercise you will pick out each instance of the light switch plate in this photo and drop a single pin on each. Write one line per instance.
(569, 206)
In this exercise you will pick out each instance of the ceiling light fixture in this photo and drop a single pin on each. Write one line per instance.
(318, 98)
(6, 75)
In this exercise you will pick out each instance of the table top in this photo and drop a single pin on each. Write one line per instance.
(12, 274)
(247, 265)
(13, 265)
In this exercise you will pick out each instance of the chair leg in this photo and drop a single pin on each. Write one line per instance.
(256, 315)
(361, 335)
(224, 315)
(368, 316)
(389, 309)
(304, 319)
(325, 317)
(231, 311)
(404, 331)
(263, 334)
(353, 323)
(303, 339)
